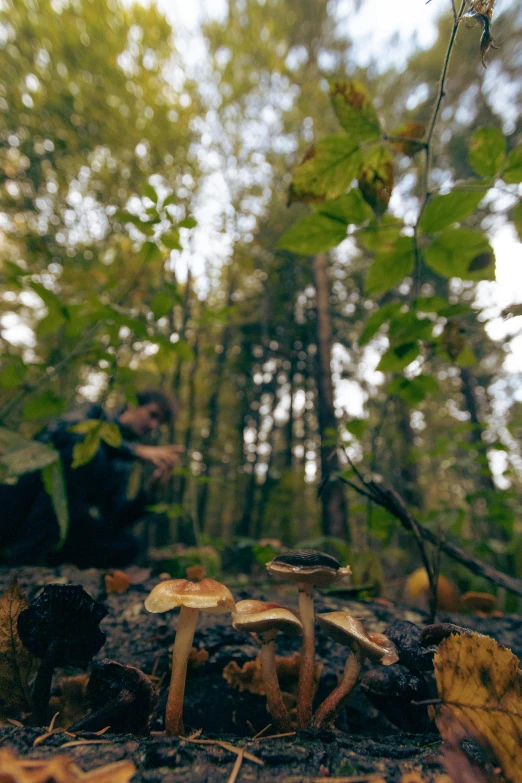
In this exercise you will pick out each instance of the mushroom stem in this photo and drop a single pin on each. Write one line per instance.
(42, 686)
(327, 712)
(305, 688)
(188, 619)
(274, 699)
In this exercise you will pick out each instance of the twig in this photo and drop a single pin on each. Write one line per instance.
(400, 512)
(236, 767)
(428, 145)
(260, 733)
(226, 746)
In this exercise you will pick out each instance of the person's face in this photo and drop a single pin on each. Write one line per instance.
(143, 419)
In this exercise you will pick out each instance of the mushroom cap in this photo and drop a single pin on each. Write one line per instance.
(208, 596)
(346, 630)
(67, 617)
(261, 616)
(308, 566)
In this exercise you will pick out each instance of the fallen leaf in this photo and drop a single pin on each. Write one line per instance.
(116, 582)
(16, 663)
(480, 684)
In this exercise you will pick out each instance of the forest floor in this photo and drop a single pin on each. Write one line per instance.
(365, 743)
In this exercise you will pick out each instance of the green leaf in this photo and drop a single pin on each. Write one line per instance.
(327, 171)
(512, 174)
(381, 235)
(20, 455)
(150, 253)
(391, 267)
(161, 304)
(396, 359)
(50, 324)
(86, 449)
(171, 240)
(357, 427)
(188, 222)
(349, 208)
(461, 252)
(41, 405)
(377, 319)
(85, 427)
(354, 109)
(111, 434)
(170, 200)
(442, 211)
(13, 374)
(145, 226)
(150, 192)
(487, 151)
(517, 219)
(54, 483)
(413, 391)
(405, 327)
(376, 179)
(313, 234)
(441, 306)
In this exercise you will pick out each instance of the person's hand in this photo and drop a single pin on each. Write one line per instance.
(164, 458)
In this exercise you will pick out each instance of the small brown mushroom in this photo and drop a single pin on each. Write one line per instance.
(349, 631)
(265, 620)
(208, 596)
(308, 568)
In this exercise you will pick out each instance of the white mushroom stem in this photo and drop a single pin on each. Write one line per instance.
(327, 712)
(188, 619)
(274, 700)
(305, 688)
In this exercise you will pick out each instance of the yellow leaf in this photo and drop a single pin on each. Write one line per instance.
(16, 663)
(480, 684)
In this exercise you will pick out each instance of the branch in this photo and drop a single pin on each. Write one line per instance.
(394, 504)
(428, 142)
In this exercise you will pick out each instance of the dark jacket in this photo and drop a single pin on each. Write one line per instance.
(99, 507)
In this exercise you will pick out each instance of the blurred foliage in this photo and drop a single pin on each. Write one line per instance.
(108, 149)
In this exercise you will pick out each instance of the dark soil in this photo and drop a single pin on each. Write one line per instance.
(364, 742)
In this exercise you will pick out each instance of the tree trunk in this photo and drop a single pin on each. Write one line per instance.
(334, 507)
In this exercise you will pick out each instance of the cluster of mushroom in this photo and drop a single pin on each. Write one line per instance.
(307, 568)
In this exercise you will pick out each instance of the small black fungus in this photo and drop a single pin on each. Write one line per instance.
(118, 696)
(436, 633)
(392, 691)
(413, 654)
(61, 626)
(308, 558)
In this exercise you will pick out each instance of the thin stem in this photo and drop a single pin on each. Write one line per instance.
(305, 688)
(188, 619)
(42, 687)
(275, 704)
(327, 712)
(429, 148)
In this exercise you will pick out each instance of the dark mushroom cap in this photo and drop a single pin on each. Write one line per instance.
(108, 680)
(348, 630)
(67, 617)
(260, 617)
(413, 655)
(393, 691)
(308, 566)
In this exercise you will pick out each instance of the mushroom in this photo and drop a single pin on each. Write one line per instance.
(208, 596)
(61, 627)
(121, 697)
(349, 631)
(308, 568)
(265, 620)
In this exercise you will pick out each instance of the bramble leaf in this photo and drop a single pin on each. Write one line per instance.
(327, 171)
(391, 267)
(513, 168)
(487, 151)
(461, 252)
(354, 109)
(376, 179)
(442, 211)
(314, 234)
